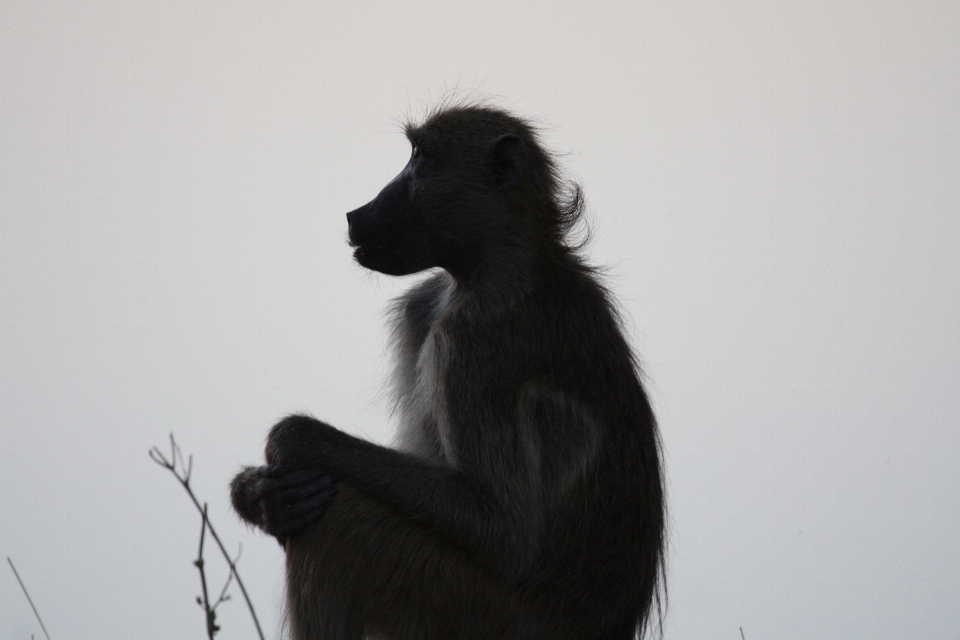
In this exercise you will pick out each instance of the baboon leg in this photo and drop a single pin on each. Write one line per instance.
(364, 570)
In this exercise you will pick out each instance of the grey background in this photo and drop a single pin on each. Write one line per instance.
(773, 186)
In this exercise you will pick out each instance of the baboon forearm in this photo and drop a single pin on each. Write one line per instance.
(439, 497)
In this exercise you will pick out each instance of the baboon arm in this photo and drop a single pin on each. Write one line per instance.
(443, 499)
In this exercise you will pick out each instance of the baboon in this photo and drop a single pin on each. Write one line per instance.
(525, 499)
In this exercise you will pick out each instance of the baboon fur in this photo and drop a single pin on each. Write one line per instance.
(525, 497)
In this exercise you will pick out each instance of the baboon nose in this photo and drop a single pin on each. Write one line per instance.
(354, 222)
(351, 224)
(357, 221)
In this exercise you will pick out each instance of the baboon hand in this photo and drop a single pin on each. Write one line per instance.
(281, 499)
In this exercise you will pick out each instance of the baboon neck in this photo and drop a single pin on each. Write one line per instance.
(509, 272)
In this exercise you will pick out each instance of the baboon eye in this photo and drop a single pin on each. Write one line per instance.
(416, 152)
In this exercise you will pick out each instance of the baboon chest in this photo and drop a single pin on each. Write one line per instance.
(434, 386)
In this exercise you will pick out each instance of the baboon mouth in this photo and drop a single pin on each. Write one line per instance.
(360, 250)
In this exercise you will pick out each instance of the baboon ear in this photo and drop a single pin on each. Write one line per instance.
(507, 168)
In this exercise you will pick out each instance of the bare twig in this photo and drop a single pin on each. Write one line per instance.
(741, 634)
(224, 596)
(181, 469)
(29, 599)
(204, 600)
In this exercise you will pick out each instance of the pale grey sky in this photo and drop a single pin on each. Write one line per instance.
(774, 187)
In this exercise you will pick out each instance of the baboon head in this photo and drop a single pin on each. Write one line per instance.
(477, 179)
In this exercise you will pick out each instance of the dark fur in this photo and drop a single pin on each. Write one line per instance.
(526, 500)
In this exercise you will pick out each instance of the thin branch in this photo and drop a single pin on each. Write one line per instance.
(29, 599)
(204, 600)
(182, 473)
(741, 634)
(224, 596)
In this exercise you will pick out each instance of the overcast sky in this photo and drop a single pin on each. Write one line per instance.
(773, 188)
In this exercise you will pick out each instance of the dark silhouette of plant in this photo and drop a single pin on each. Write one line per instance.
(29, 599)
(204, 599)
(181, 469)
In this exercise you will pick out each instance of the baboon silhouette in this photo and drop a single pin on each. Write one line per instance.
(525, 499)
